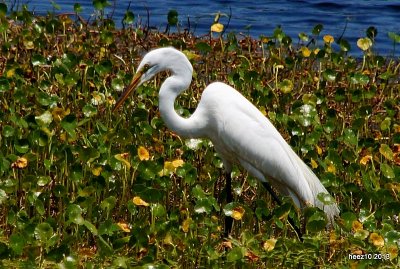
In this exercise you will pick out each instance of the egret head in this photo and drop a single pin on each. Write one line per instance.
(154, 62)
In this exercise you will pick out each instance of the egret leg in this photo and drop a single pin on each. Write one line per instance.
(275, 197)
(229, 199)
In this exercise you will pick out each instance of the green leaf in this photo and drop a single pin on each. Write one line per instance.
(4, 84)
(395, 37)
(3, 196)
(387, 171)
(117, 84)
(77, 8)
(348, 218)
(74, 214)
(43, 98)
(303, 37)
(38, 59)
(188, 173)
(317, 29)
(104, 68)
(316, 222)
(385, 124)
(237, 253)
(8, 131)
(90, 227)
(173, 17)
(372, 32)
(22, 146)
(393, 236)
(100, 4)
(69, 124)
(203, 47)
(89, 110)
(286, 86)
(108, 203)
(326, 198)
(17, 243)
(198, 192)
(344, 45)
(359, 78)
(158, 210)
(329, 75)
(45, 119)
(129, 17)
(3, 9)
(349, 137)
(43, 181)
(43, 232)
(386, 151)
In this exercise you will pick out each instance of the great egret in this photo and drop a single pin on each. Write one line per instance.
(240, 133)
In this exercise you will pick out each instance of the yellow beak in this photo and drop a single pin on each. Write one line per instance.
(129, 90)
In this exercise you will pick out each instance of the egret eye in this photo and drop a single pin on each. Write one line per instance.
(146, 67)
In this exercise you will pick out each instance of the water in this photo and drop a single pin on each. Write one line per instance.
(260, 17)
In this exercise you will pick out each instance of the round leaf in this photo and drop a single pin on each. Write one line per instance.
(173, 17)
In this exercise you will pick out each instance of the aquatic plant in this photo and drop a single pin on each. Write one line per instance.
(80, 187)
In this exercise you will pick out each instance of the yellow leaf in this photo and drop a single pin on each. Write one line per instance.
(10, 73)
(227, 244)
(393, 251)
(396, 128)
(386, 151)
(59, 113)
(168, 239)
(269, 244)
(186, 225)
(331, 168)
(305, 51)
(265, 39)
(63, 137)
(168, 169)
(319, 150)
(122, 157)
(177, 163)
(217, 27)
(191, 55)
(110, 100)
(364, 43)
(97, 170)
(364, 160)
(20, 163)
(124, 227)
(328, 39)
(314, 164)
(29, 44)
(366, 72)
(238, 212)
(251, 256)
(139, 202)
(143, 154)
(169, 166)
(356, 226)
(376, 240)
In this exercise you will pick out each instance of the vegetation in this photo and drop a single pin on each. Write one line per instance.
(81, 187)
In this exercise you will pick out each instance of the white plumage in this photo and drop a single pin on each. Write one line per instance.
(241, 134)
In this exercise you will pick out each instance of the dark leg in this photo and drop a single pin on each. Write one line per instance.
(279, 202)
(229, 199)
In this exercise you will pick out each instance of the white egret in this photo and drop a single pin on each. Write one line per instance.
(240, 133)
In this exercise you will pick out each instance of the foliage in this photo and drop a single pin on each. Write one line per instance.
(81, 187)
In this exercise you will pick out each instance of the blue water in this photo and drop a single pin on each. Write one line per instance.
(259, 17)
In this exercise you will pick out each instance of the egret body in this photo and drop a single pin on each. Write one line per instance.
(240, 133)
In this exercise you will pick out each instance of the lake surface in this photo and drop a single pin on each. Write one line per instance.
(258, 17)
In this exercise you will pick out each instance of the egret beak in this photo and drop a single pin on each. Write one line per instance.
(128, 91)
